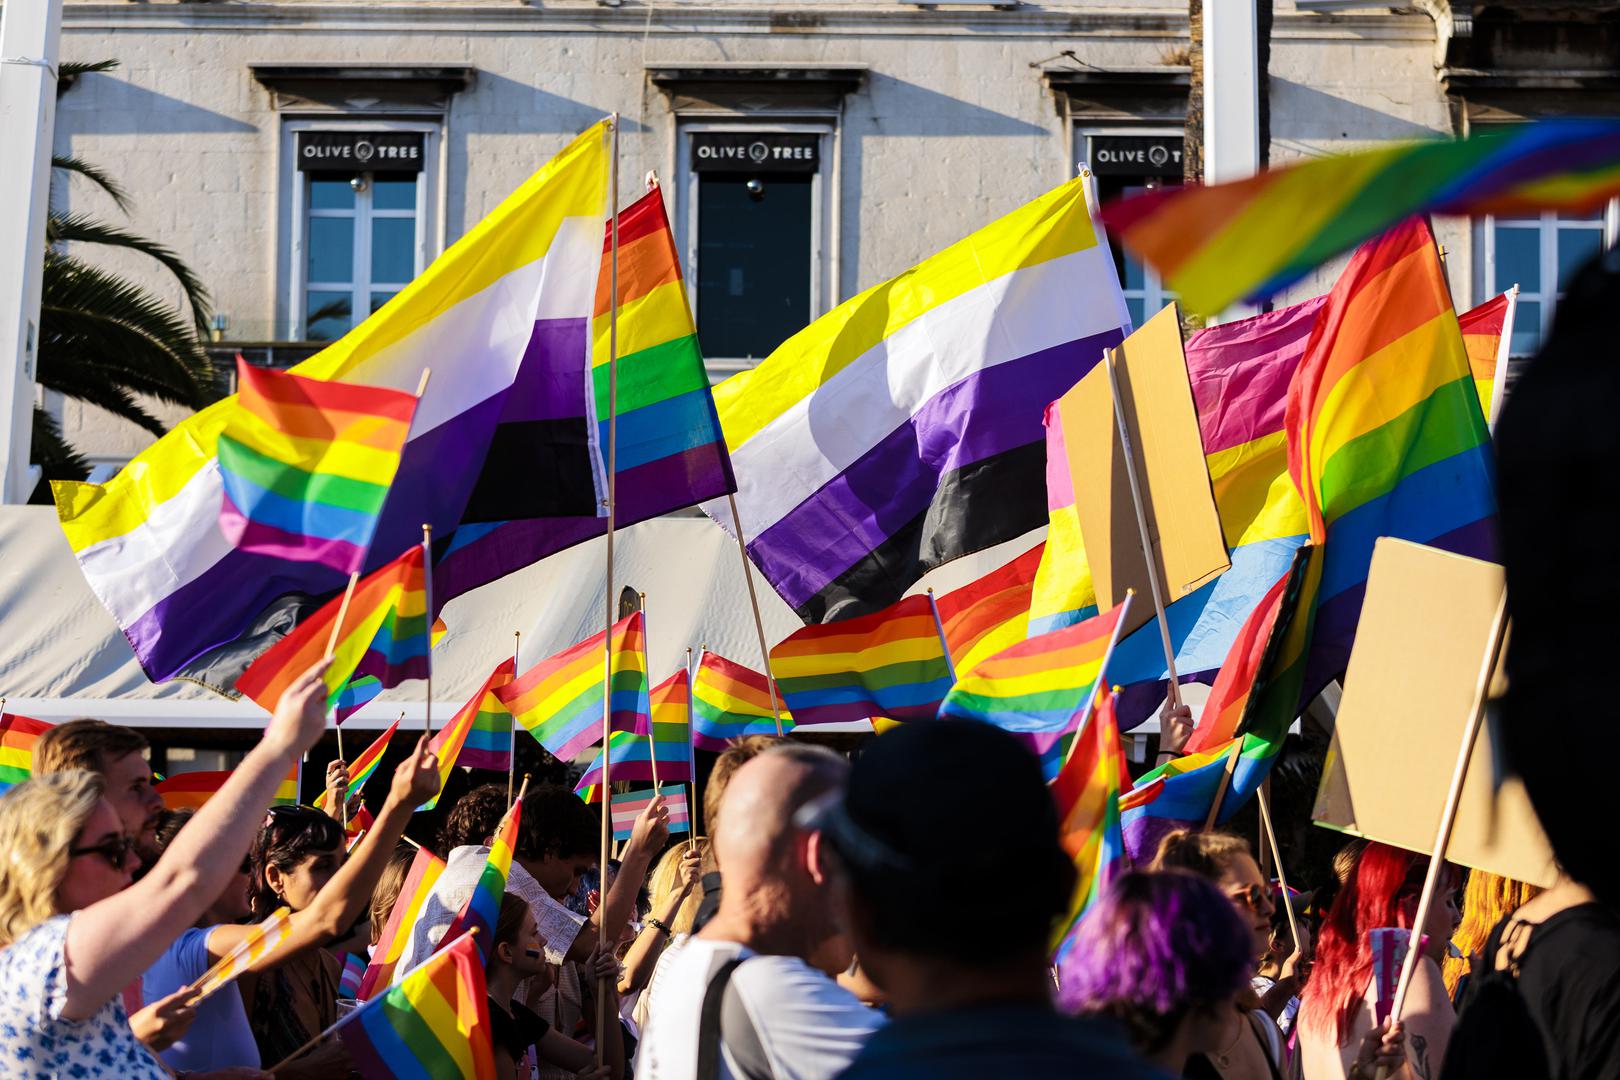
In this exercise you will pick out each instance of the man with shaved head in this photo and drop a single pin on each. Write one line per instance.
(742, 999)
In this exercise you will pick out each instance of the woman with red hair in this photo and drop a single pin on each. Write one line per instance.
(1337, 1008)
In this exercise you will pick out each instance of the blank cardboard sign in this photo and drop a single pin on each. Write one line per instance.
(1425, 628)
(1184, 526)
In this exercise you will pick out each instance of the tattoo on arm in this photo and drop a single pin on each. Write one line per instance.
(1420, 1056)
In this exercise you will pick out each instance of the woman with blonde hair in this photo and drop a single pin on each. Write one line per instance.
(67, 904)
(674, 901)
(1487, 900)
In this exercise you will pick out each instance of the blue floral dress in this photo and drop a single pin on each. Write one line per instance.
(36, 1042)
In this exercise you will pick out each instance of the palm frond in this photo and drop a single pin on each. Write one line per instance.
(95, 174)
(56, 459)
(74, 228)
(72, 69)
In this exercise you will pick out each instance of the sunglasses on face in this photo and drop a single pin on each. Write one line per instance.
(115, 851)
(1253, 897)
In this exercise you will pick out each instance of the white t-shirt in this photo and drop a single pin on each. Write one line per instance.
(809, 1027)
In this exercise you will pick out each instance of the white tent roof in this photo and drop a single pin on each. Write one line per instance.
(62, 655)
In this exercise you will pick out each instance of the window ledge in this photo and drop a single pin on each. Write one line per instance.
(363, 87)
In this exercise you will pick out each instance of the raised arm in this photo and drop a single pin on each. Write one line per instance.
(110, 943)
(647, 836)
(649, 944)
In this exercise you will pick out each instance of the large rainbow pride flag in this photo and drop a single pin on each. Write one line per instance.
(434, 1022)
(903, 428)
(503, 318)
(560, 700)
(1251, 238)
(423, 874)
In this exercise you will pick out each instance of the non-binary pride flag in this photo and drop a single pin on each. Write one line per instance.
(903, 428)
(559, 700)
(729, 701)
(1385, 432)
(483, 907)
(1087, 794)
(1249, 239)
(17, 737)
(386, 627)
(890, 663)
(361, 768)
(1039, 685)
(191, 790)
(307, 463)
(260, 940)
(432, 1023)
(396, 936)
(503, 319)
(670, 452)
(629, 805)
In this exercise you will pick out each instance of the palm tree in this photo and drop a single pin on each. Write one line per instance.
(105, 340)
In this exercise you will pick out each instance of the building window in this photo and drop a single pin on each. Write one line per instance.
(359, 225)
(1125, 163)
(752, 209)
(1541, 254)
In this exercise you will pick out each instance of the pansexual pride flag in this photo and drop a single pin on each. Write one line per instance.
(361, 768)
(902, 429)
(1038, 686)
(1249, 239)
(559, 700)
(259, 941)
(633, 754)
(307, 463)
(670, 452)
(1487, 333)
(1385, 432)
(396, 935)
(628, 806)
(1086, 791)
(483, 907)
(386, 626)
(191, 790)
(891, 663)
(990, 613)
(730, 701)
(432, 1023)
(489, 739)
(17, 737)
(502, 317)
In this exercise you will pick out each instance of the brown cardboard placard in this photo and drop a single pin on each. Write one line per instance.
(1184, 527)
(1425, 627)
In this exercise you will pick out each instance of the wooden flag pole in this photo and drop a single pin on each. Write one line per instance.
(427, 588)
(652, 742)
(1276, 856)
(753, 602)
(1448, 813)
(511, 752)
(1142, 525)
(939, 628)
(522, 791)
(607, 636)
(691, 753)
(1226, 782)
(343, 613)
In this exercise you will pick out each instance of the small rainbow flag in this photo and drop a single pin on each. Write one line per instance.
(1250, 239)
(260, 940)
(628, 806)
(361, 768)
(483, 907)
(1039, 686)
(633, 754)
(385, 630)
(354, 969)
(355, 831)
(559, 700)
(1087, 795)
(730, 701)
(889, 663)
(307, 465)
(396, 935)
(985, 616)
(190, 790)
(1487, 333)
(17, 737)
(433, 1023)
(450, 741)
(356, 694)
(489, 740)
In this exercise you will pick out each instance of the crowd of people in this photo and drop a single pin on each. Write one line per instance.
(887, 917)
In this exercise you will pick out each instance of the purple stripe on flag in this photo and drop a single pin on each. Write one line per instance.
(265, 539)
(985, 414)
(550, 382)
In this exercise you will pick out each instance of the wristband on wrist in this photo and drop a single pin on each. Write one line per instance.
(659, 925)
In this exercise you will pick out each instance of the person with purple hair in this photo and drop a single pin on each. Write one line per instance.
(1166, 956)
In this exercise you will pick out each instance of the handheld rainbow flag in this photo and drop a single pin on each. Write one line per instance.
(1386, 436)
(434, 1022)
(355, 830)
(17, 737)
(559, 700)
(483, 907)
(1087, 795)
(1040, 685)
(354, 969)
(356, 694)
(260, 941)
(419, 881)
(489, 740)
(306, 465)
(1487, 332)
(450, 742)
(361, 768)
(629, 805)
(987, 615)
(191, 790)
(890, 663)
(633, 754)
(1249, 239)
(385, 629)
(730, 701)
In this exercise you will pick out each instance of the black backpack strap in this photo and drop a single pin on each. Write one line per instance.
(724, 1024)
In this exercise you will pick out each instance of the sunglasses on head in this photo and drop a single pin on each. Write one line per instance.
(115, 850)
